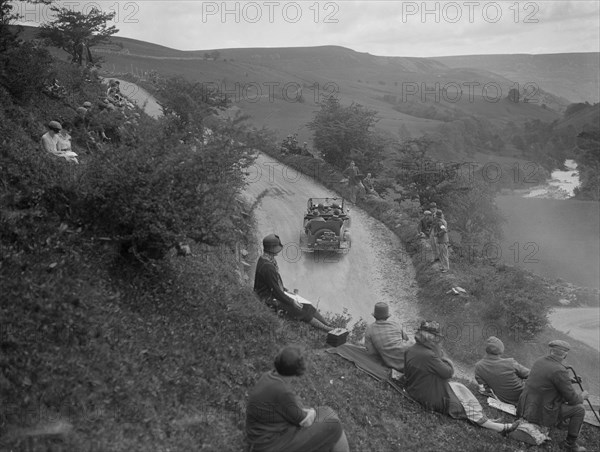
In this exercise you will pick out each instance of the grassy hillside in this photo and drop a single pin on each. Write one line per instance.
(573, 76)
(101, 351)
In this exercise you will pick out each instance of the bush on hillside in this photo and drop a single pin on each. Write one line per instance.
(512, 300)
(157, 192)
(24, 70)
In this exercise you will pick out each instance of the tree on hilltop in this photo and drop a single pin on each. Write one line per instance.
(76, 32)
(342, 134)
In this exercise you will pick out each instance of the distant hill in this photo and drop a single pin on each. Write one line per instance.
(407, 92)
(465, 108)
(574, 76)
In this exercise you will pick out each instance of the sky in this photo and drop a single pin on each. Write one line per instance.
(388, 28)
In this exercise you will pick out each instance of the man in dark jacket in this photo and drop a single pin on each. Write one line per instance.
(426, 224)
(549, 398)
(505, 376)
(270, 289)
(427, 370)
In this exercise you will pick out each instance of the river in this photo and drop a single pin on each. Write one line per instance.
(552, 235)
(557, 237)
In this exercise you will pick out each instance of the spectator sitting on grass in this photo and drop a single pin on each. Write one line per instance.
(64, 143)
(427, 374)
(386, 338)
(49, 141)
(504, 376)
(548, 397)
(269, 287)
(276, 419)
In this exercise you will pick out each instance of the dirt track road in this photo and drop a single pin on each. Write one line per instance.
(139, 96)
(370, 272)
(580, 323)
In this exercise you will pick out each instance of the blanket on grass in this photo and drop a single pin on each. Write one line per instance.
(371, 364)
(589, 415)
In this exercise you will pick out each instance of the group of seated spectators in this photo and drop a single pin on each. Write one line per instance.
(543, 395)
(277, 420)
(114, 98)
(92, 125)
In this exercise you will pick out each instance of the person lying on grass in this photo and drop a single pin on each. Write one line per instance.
(427, 374)
(269, 287)
(276, 419)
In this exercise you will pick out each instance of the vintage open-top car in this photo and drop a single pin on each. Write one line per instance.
(326, 226)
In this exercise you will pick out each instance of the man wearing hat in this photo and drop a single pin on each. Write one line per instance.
(315, 218)
(548, 397)
(386, 338)
(270, 289)
(440, 229)
(427, 373)
(504, 376)
(425, 224)
(432, 237)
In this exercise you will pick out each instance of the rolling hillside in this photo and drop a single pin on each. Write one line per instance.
(574, 76)
(414, 96)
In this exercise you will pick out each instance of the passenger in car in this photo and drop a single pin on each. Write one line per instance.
(313, 222)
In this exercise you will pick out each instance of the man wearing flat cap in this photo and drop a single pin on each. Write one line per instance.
(426, 224)
(386, 338)
(548, 397)
(505, 376)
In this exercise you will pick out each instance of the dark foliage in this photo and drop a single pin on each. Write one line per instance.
(342, 134)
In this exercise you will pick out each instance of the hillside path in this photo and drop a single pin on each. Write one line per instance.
(580, 323)
(138, 96)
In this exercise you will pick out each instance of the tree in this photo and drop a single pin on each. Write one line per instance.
(7, 17)
(588, 164)
(76, 33)
(8, 32)
(457, 188)
(342, 134)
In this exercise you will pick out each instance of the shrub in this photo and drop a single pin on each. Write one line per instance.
(155, 193)
(513, 300)
(24, 70)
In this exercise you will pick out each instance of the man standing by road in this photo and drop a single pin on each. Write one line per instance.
(440, 230)
(352, 173)
(425, 224)
(548, 397)
(432, 237)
